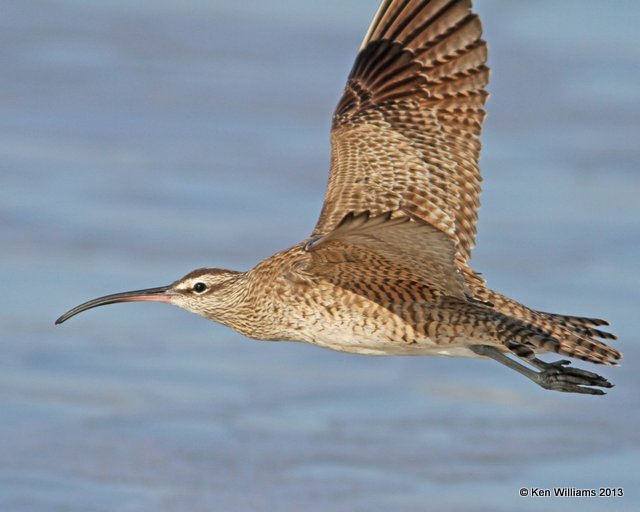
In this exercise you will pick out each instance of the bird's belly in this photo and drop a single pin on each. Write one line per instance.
(373, 346)
(368, 331)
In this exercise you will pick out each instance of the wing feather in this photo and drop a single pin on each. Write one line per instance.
(415, 248)
(405, 135)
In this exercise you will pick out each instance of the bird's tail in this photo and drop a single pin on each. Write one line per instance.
(538, 331)
(566, 335)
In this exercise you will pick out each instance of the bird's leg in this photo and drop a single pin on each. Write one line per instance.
(556, 376)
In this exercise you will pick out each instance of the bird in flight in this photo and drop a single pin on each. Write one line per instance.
(386, 269)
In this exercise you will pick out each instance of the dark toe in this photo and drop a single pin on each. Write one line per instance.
(573, 380)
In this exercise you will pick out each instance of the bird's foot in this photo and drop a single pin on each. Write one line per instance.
(556, 376)
(559, 376)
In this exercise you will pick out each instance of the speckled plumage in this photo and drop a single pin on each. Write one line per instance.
(385, 270)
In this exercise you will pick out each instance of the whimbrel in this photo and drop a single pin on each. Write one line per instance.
(386, 270)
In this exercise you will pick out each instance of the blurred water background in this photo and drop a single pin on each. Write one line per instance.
(140, 140)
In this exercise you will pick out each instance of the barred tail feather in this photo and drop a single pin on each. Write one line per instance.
(570, 336)
(581, 325)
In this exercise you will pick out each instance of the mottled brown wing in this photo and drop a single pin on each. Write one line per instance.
(405, 135)
(415, 249)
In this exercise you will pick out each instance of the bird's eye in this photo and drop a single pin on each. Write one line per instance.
(199, 287)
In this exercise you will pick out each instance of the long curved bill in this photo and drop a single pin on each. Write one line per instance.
(149, 295)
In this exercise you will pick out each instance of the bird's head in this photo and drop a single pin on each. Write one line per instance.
(208, 292)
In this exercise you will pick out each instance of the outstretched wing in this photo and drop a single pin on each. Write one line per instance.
(405, 135)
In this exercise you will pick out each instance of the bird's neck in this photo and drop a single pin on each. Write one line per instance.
(249, 298)
(231, 304)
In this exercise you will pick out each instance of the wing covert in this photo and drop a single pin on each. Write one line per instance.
(401, 244)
